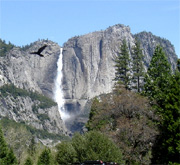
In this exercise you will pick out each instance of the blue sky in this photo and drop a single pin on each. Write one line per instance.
(25, 21)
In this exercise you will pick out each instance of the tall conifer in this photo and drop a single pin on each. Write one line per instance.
(122, 74)
(163, 89)
(45, 158)
(6, 155)
(138, 69)
(157, 74)
(167, 147)
(3, 147)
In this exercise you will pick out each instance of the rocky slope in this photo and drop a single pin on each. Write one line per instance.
(149, 43)
(30, 108)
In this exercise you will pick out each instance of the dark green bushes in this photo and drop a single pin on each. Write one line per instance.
(90, 146)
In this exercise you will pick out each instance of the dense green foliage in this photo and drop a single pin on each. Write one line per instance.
(167, 146)
(4, 47)
(128, 119)
(20, 137)
(66, 153)
(90, 146)
(138, 66)
(28, 161)
(7, 156)
(163, 89)
(45, 157)
(159, 125)
(3, 146)
(157, 75)
(123, 66)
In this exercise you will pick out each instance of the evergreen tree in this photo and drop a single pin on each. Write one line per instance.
(96, 146)
(99, 146)
(157, 75)
(6, 155)
(138, 69)
(164, 91)
(3, 147)
(66, 154)
(167, 146)
(79, 145)
(122, 66)
(45, 157)
(94, 110)
(91, 146)
(4, 47)
(28, 161)
(11, 157)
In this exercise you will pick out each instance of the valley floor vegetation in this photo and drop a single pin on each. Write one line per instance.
(138, 123)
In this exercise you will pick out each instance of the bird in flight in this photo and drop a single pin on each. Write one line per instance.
(39, 51)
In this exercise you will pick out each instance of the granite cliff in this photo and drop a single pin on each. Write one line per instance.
(89, 63)
(30, 78)
(149, 43)
(29, 71)
(88, 67)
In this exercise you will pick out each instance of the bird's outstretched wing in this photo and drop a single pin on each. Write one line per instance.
(33, 52)
(41, 49)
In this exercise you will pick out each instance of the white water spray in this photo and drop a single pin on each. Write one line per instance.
(58, 93)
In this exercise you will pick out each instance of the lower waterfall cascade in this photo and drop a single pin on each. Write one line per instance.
(58, 93)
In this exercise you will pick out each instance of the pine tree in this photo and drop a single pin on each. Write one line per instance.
(45, 157)
(164, 91)
(94, 110)
(28, 161)
(11, 157)
(66, 154)
(167, 147)
(157, 75)
(6, 155)
(3, 146)
(95, 146)
(122, 67)
(138, 69)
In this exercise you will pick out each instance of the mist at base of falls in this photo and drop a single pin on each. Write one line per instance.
(58, 92)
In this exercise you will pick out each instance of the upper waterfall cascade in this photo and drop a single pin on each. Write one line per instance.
(58, 93)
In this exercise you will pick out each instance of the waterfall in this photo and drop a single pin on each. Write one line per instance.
(58, 93)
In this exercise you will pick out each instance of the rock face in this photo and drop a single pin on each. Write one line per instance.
(32, 73)
(149, 43)
(89, 62)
